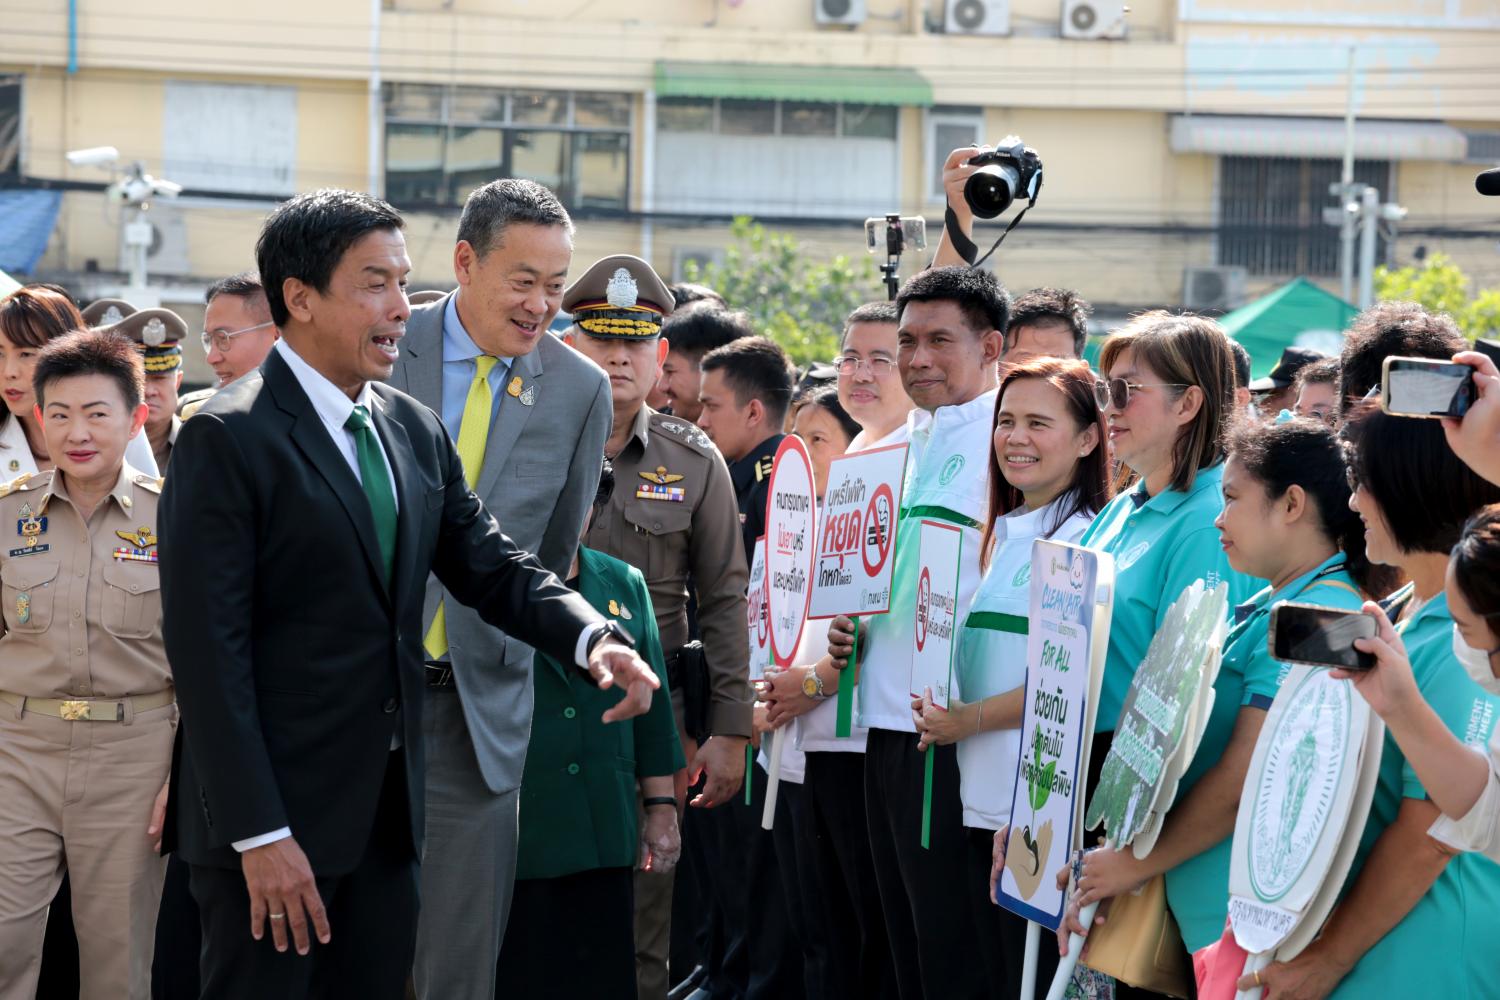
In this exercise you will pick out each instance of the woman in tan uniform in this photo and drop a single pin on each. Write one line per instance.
(87, 712)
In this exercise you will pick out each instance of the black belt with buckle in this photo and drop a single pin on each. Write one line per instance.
(439, 675)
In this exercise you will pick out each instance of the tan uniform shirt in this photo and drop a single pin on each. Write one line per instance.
(673, 515)
(81, 602)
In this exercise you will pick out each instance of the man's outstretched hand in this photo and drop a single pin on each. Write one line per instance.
(613, 664)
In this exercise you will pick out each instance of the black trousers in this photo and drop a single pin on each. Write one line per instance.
(372, 917)
(770, 938)
(692, 918)
(1002, 934)
(838, 871)
(792, 834)
(179, 938)
(570, 936)
(922, 892)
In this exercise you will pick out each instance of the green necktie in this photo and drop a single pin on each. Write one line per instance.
(377, 484)
(473, 433)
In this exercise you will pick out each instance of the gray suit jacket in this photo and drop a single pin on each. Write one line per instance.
(541, 468)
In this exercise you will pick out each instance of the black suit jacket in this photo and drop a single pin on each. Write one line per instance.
(293, 658)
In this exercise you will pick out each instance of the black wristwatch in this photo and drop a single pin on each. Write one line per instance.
(612, 630)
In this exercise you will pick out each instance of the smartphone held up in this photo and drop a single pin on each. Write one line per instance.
(1320, 637)
(1422, 387)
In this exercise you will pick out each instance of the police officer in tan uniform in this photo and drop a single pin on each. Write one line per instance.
(87, 711)
(158, 335)
(673, 516)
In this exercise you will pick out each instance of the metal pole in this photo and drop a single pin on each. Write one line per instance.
(1346, 181)
(1369, 215)
(375, 110)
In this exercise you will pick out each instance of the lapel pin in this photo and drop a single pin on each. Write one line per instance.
(514, 389)
(529, 396)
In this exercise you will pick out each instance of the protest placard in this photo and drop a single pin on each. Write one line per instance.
(939, 549)
(791, 531)
(857, 549)
(1067, 638)
(1307, 796)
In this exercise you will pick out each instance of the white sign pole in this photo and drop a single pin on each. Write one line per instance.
(1253, 964)
(1028, 970)
(791, 537)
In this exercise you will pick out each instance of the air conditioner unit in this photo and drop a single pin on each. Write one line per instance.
(977, 17)
(1093, 19)
(1213, 289)
(839, 11)
(168, 251)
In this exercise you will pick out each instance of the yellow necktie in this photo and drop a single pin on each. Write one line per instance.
(473, 432)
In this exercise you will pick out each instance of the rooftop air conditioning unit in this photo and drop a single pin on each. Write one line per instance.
(1213, 289)
(977, 17)
(1093, 19)
(839, 11)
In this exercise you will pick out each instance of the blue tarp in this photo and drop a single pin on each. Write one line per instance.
(26, 222)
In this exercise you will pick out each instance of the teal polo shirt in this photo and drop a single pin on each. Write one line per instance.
(1198, 889)
(1444, 947)
(1160, 544)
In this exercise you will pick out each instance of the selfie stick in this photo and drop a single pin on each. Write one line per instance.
(895, 243)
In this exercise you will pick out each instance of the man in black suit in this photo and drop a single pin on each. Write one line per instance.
(307, 507)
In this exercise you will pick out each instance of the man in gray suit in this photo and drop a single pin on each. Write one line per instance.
(532, 415)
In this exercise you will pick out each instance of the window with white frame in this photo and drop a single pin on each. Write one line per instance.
(240, 138)
(947, 130)
(727, 156)
(442, 142)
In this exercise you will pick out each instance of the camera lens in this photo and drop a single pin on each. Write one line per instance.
(990, 189)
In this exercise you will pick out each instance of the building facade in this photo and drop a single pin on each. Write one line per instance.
(1188, 144)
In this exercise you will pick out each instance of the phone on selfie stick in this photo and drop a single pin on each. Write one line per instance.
(1320, 637)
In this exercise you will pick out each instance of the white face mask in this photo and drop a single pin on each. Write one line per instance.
(1476, 663)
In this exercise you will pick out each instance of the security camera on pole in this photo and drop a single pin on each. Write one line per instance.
(135, 189)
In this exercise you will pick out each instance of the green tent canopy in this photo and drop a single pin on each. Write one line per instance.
(1298, 313)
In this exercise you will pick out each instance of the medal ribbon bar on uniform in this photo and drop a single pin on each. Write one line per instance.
(651, 491)
(136, 555)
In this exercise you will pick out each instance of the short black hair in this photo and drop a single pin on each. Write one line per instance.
(703, 326)
(1241, 364)
(827, 397)
(1324, 372)
(870, 312)
(1391, 329)
(245, 285)
(492, 207)
(1424, 490)
(1309, 454)
(91, 352)
(1054, 307)
(685, 292)
(306, 237)
(755, 368)
(978, 294)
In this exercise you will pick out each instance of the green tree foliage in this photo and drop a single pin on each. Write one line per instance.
(798, 303)
(1441, 286)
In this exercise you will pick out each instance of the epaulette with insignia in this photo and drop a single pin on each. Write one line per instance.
(764, 466)
(17, 483)
(686, 432)
(150, 483)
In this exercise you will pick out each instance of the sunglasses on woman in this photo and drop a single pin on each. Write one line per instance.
(1117, 391)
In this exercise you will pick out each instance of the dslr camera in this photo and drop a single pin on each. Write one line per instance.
(1010, 170)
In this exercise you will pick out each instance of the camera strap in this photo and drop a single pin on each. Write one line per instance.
(966, 247)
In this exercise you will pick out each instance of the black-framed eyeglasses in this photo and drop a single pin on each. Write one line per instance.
(847, 364)
(224, 339)
(1117, 391)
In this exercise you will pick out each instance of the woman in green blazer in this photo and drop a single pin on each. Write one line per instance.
(581, 836)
